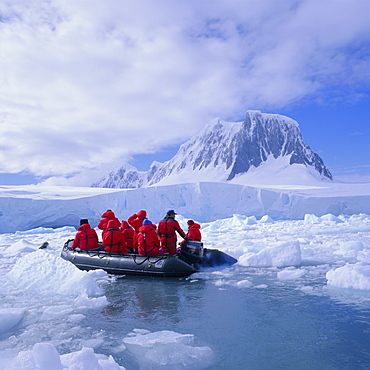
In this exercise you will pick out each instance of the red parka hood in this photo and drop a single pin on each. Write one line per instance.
(124, 224)
(108, 214)
(141, 214)
(195, 226)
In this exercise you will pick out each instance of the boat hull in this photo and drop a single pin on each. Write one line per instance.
(128, 264)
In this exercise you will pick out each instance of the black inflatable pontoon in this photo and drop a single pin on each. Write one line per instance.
(127, 264)
(191, 257)
(193, 253)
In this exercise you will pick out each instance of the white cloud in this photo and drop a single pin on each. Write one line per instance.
(87, 83)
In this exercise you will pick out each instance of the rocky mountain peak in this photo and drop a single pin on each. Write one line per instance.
(224, 150)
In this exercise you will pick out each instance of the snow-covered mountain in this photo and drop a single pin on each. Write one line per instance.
(224, 151)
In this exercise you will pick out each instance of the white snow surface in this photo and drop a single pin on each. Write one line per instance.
(323, 249)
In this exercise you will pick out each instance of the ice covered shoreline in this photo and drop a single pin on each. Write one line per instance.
(31, 206)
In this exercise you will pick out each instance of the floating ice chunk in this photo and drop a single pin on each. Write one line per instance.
(359, 217)
(250, 220)
(236, 221)
(239, 284)
(45, 273)
(350, 276)
(10, 317)
(43, 356)
(168, 350)
(163, 337)
(219, 282)
(291, 274)
(46, 356)
(20, 247)
(244, 284)
(261, 286)
(266, 220)
(330, 217)
(307, 289)
(92, 343)
(86, 359)
(53, 312)
(310, 219)
(282, 255)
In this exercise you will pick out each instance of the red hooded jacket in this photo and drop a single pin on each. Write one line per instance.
(137, 219)
(86, 238)
(106, 217)
(128, 234)
(113, 240)
(148, 241)
(194, 233)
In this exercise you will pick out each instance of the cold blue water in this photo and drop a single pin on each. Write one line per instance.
(269, 325)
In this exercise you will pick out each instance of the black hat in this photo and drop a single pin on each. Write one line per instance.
(171, 212)
(84, 221)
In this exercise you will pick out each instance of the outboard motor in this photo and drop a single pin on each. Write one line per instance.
(191, 252)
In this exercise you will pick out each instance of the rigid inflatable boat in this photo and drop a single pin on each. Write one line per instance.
(191, 257)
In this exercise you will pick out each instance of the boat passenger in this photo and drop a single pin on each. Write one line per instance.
(148, 241)
(86, 238)
(136, 221)
(193, 231)
(106, 217)
(128, 233)
(167, 229)
(113, 241)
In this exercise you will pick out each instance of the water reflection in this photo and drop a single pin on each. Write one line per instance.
(150, 298)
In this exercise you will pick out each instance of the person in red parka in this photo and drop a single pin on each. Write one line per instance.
(136, 221)
(106, 217)
(193, 231)
(128, 233)
(167, 229)
(113, 241)
(148, 241)
(86, 237)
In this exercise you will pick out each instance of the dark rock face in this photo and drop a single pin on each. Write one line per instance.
(229, 148)
(263, 135)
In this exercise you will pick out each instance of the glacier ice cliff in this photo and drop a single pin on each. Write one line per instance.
(28, 207)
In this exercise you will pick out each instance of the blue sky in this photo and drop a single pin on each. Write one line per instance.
(86, 87)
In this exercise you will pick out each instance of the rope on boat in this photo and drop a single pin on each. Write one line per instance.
(147, 258)
(94, 253)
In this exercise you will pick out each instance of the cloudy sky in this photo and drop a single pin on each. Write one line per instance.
(86, 85)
